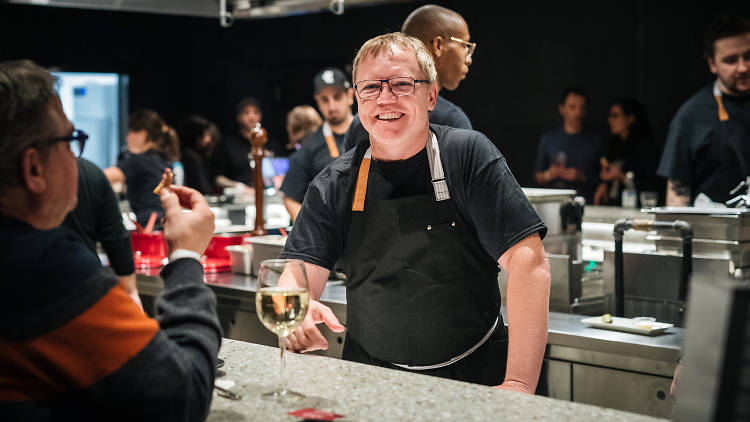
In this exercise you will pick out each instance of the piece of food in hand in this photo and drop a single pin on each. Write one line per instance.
(166, 181)
(607, 318)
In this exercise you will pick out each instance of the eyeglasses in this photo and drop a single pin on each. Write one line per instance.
(470, 46)
(400, 87)
(77, 141)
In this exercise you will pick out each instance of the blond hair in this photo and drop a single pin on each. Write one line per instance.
(303, 120)
(375, 46)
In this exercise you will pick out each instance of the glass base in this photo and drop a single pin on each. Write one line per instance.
(283, 396)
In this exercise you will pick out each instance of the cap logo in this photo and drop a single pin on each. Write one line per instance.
(328, 77)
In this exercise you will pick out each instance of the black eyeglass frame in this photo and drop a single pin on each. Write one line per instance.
(388, 82)
(77, 136)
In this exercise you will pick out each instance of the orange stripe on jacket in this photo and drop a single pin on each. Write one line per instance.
(77, 354)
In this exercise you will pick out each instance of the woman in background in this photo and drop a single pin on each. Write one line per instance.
(152, 147)
(198, 137)
(300, 122)
(631, 148)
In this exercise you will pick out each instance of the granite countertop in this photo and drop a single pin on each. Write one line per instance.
(367, 393)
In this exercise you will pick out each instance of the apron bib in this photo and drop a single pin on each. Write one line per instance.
(422, 292)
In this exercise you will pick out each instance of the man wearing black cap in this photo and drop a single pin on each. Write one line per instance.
(335, 97)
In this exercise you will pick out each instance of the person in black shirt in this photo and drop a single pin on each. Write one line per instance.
(708, 144)
(568, 156)
(152, 147)
(97, 218)
(300, 122)
(446, 35)
(631, 148)
(421, 215)
(334, 96)
(231, 160)
(198, 137)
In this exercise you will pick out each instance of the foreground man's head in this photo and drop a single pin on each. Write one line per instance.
(38, 168)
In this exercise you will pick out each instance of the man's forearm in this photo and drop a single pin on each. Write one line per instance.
(225, 182)
(678, 194)
(527, 308)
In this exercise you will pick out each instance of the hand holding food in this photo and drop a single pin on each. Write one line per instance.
(186, 230)
(166, 181)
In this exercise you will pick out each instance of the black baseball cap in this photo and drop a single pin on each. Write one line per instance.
(330, 76)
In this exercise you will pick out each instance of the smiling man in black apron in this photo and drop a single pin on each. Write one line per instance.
(335, 97)
(708, 145)
(421, 216)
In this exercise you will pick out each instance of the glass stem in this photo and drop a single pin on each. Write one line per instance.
(282, 378)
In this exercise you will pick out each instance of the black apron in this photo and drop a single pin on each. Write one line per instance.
(421, 290)
(727, 156)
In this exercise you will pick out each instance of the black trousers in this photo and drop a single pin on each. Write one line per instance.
(485, 366)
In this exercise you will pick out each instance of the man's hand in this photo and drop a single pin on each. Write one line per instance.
(307, 337)
(186, 230)
(518, 387)
(612, 172)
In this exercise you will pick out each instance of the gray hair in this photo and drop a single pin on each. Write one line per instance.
(386, 42)
(25, 92)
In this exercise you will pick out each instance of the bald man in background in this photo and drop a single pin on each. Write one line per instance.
(446, 35)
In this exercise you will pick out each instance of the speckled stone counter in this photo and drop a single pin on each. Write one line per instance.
(367, 393)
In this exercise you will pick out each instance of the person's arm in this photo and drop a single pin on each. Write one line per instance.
(307, 337)
(114, 175)
(166, 365)
(601, 194)
(527, 307)
(292, 207)
(678, 194)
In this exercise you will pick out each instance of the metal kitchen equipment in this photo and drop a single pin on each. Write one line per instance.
(720, 250)
(647, 225)
(562, 211)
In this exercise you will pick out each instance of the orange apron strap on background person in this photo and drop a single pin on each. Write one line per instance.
(333, 149)
(723, 115)
(361, 190)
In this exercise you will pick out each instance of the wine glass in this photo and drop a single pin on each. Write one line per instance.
(281, 302)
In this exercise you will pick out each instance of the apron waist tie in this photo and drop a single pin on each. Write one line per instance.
(453, 360)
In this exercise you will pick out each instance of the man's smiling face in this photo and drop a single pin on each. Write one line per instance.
(391, 119)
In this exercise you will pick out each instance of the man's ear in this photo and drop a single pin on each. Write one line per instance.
(436, 45)
(32, 171)
(712, 65)
(432, 97)
(350, 94)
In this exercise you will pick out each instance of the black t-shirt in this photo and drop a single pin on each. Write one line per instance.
(639, 156)
(232, 158)
(445, 114)
(97, 218)
(197, 174)
(306, 163)
(692, 131)
(142, 174)
(479, 180)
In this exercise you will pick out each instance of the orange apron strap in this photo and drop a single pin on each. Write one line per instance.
(358, 204)
(333, 149)
(723, 115)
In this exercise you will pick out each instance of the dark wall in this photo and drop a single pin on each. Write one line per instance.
(527, 53)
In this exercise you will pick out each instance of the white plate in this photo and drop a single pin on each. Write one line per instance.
(626, 325)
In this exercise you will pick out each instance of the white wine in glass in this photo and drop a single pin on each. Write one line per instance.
(281, 302)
